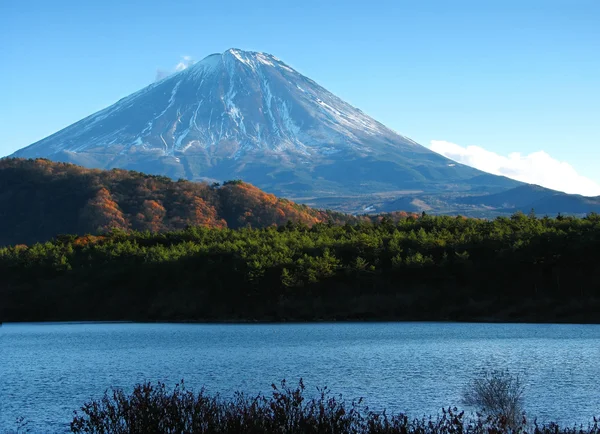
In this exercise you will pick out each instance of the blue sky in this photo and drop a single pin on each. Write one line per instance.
(483, 80)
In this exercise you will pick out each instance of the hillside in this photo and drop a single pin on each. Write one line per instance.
(40, 199)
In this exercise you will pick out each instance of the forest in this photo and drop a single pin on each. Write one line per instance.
(440, 268)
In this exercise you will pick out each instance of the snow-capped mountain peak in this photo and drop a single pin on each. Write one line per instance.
(230, 104)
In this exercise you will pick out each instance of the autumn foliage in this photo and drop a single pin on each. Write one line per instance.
(40, 199)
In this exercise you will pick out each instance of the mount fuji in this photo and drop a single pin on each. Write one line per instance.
(247, 115)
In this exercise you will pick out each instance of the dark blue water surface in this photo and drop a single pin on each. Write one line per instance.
(49, 370)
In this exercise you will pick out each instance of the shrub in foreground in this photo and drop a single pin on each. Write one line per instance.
(498, 394)
(155, 409)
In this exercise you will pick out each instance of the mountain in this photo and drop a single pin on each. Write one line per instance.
(40, 199)
(250, 116)
(542, 200)
(524, 198)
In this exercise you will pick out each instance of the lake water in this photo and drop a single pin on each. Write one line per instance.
(49, 370)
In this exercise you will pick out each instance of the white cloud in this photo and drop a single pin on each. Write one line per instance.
(184, 63)
(536, 168)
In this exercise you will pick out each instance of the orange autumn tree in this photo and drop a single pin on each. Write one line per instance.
(101, 213)
(192, 210)
(151, 216)
(202, 214)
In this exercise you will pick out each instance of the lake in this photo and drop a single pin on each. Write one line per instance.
(49, 370)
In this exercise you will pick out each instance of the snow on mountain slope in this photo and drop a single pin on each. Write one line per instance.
(251, 98)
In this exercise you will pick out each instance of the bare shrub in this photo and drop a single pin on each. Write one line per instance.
(498, 394)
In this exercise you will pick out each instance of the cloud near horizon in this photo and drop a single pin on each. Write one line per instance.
(535, 168)
(184, 63)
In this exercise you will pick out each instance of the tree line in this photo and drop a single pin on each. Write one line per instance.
(519, 268)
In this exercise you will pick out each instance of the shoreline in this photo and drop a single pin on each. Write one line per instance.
(296, 322)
